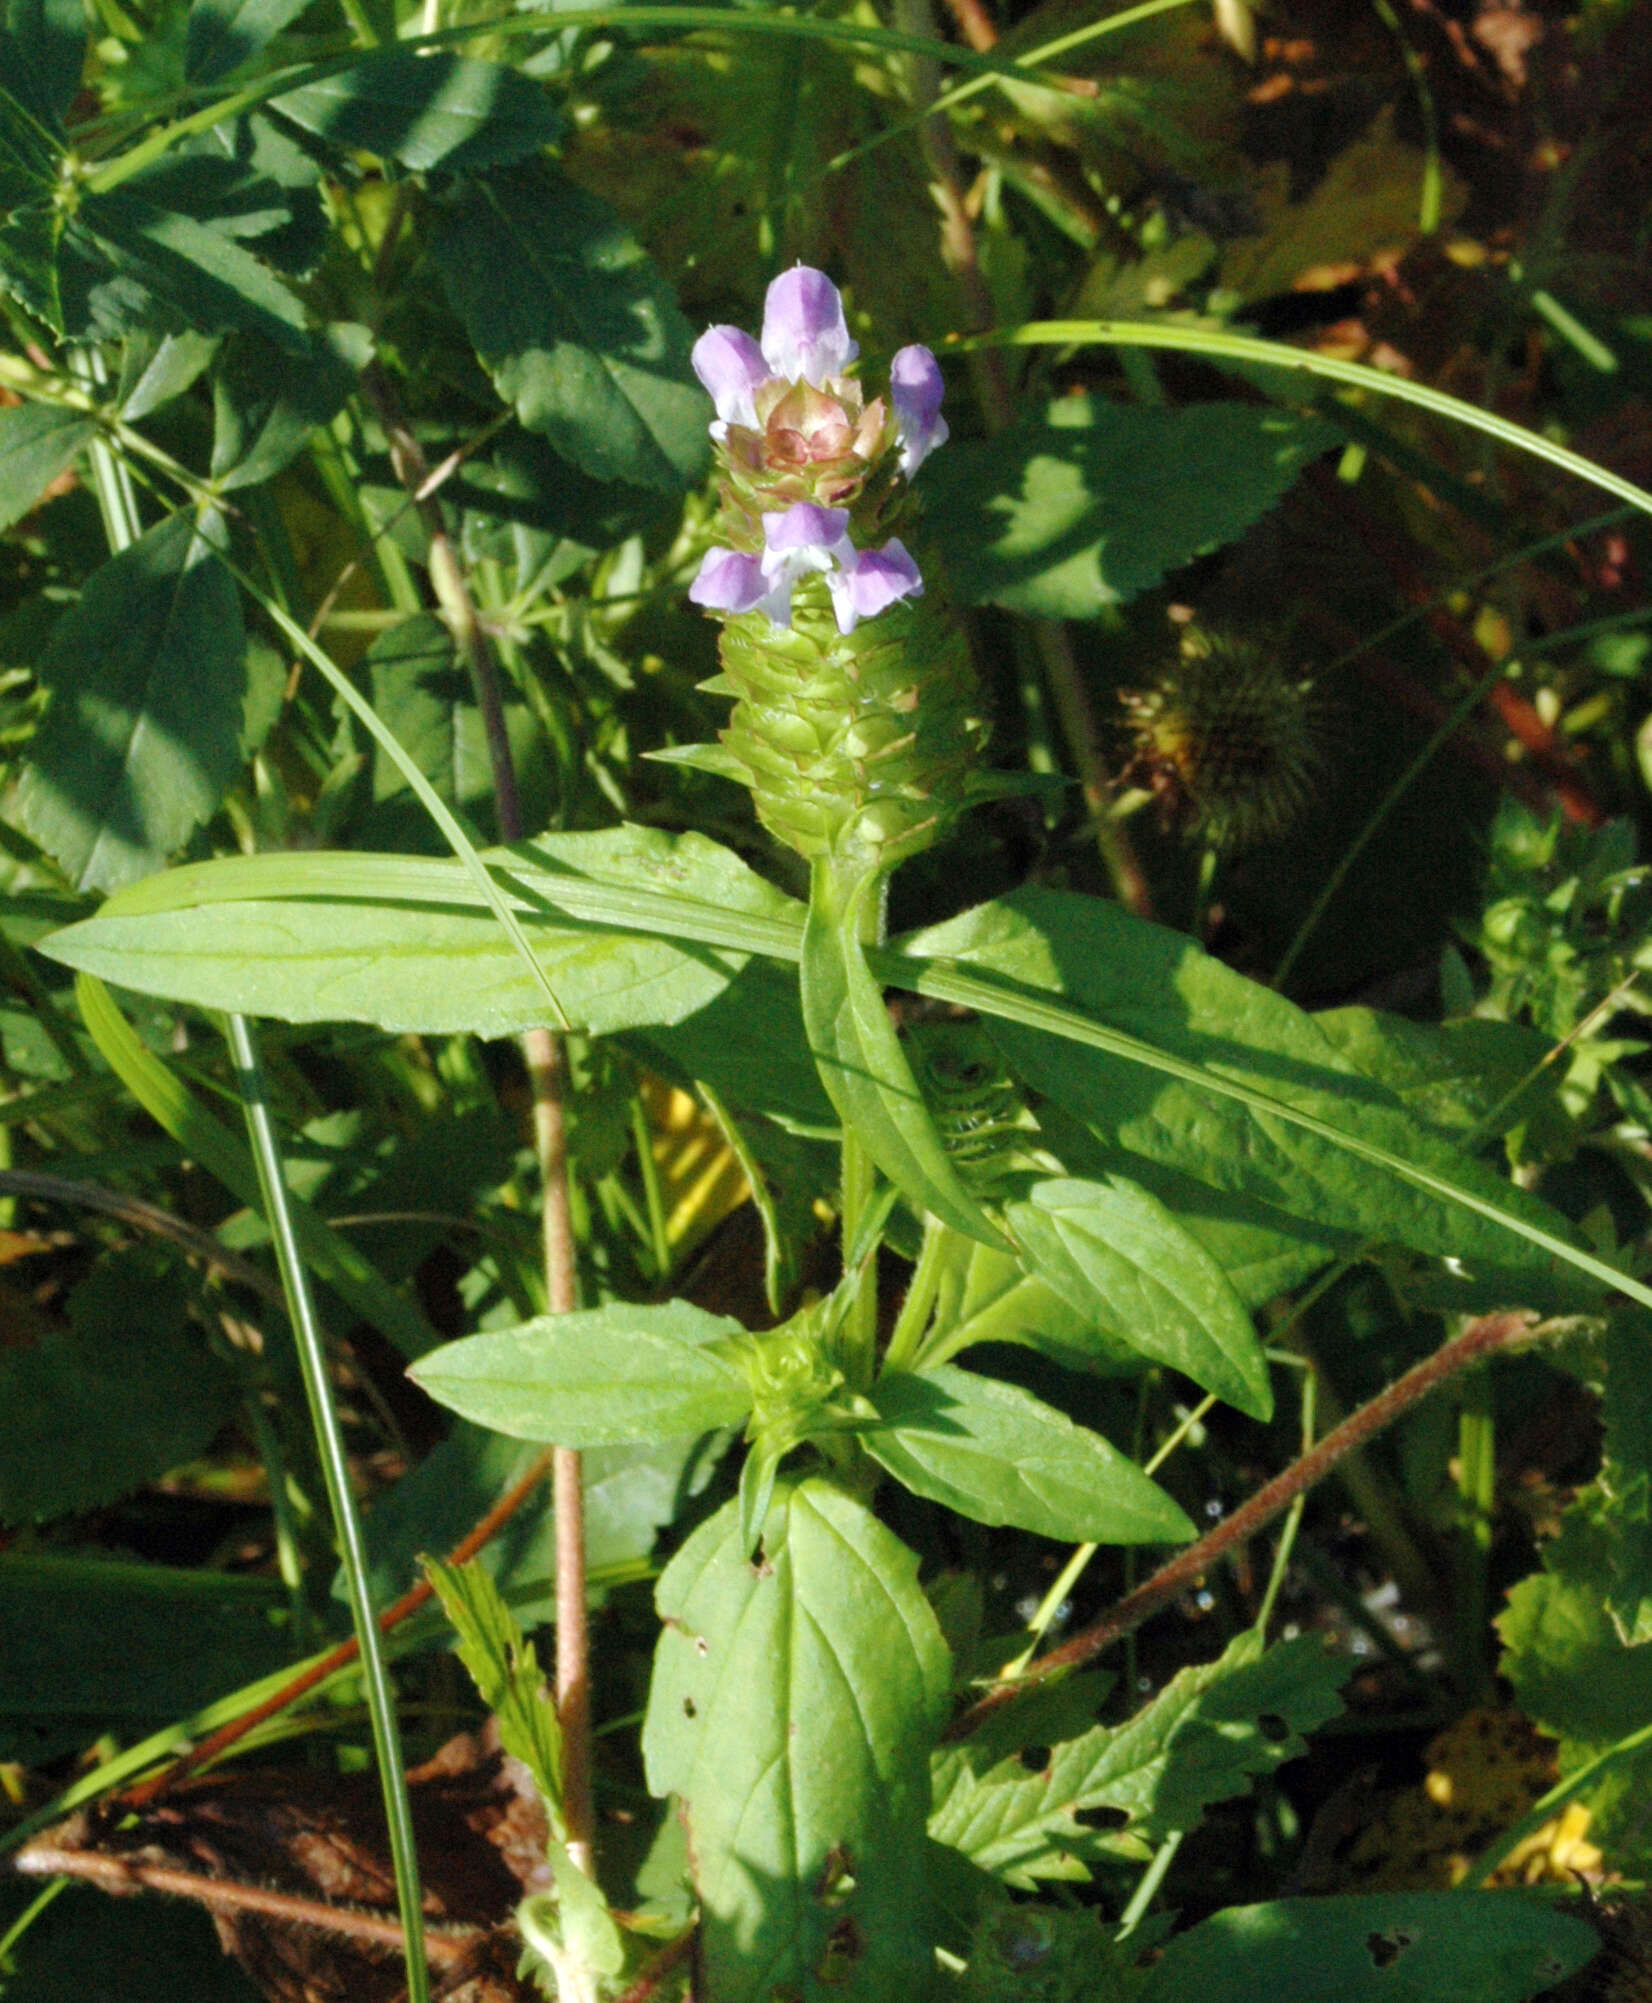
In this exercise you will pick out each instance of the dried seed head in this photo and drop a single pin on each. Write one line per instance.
(1229, 738)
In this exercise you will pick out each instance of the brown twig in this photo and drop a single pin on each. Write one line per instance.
(217, 1743)
(659, 1968)
(227, 1895)
(542, 1053)
(1482, 1338)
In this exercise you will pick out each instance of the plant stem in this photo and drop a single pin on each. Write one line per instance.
(1481, 1339)
(543, 1056)
(335, 1471)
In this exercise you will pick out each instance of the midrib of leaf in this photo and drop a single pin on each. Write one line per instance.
(658, 913)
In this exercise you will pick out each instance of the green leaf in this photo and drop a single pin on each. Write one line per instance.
(792, 1709)
(129, 1382)
(1395, 1947)
(599, 1377)
(1253, 1138)
(1453, 1075)
(504, 1668)
(1112, 1249)
(44, 53)
(1626, 1475)
(129, 250)
(30, 155)
(1063, 515)
(221, 35)
(266, 400)
(631, 1493)
(997, 1454)
(586, 340)
(1200, 1740)
(860, 1059)
(1000, 1301)
(428, 109)
(155, 369)
(147, 677)
(1562, 1652)
(92, 1640)
(38, 441)
(407, 942)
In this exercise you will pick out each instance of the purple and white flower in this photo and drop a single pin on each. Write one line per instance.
(805, 336)
(915, 390)
(731, 366)
(798, 543)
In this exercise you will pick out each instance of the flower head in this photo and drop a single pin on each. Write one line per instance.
(806, 455)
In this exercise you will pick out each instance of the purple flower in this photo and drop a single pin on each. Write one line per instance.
(915, 390)
(805, 336)
(731, 365)
(875, 581)
(796, 543)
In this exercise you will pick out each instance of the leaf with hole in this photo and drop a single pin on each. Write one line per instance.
(793, 1704)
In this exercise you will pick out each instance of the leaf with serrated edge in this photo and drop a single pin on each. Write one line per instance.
(37, 443)
(427, 108)
(147, 674)
(586, 341)
(599, 1377)
(792, 1709)
(1109, 1246)
(1155, 984)
(1198, 1741)
(997, 1454)
(505, 1669)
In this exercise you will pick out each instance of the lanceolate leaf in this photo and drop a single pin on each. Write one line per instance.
(147, 675)
(1156, 985)
(1109, 1246)
(586, 339)
(994, 1452)
(1065, 514)
(861, 1062)
(1395, 1947)
(37, 442)
(601, 1377)
(407, 943)
(429, 109)
(1199, 1741)
(504, 1668)
(793, 1705)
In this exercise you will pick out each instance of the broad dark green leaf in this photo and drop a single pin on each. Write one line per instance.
(126, 260)
(147, 678)
(997, 1454)
(1113, 1250)
(1394, 1947)
(1453, 1075)
(428, 109)
(1200, 1740)
(129, 1382)
(1063, 515)
(91, 1640)
(38, 441)
(266, 400)
(29, 237)
(408, 944)
(860, 1059)
(1626, 1474)
(1000, 1301)
(791, 1712)
(601, 1377)
(43, 54)
(1157, 985)
(586, 340)
(221, 35)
